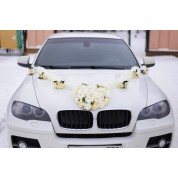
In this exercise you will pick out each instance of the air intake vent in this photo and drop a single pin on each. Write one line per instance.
(29, 142)
(112, 119)
(75, 119)
(110, 135)
(155, 142)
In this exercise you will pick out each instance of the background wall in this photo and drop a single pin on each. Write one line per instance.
(37, 37)
(163, 40)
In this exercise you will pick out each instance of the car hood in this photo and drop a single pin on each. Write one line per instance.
(133, 98)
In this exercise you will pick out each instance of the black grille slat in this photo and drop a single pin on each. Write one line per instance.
(65, 121)
(111, 119)
(122, 118)
(75, 119)
(81, 116)
(88, 120)
(127, 119)
(117, 121)
(70, 120)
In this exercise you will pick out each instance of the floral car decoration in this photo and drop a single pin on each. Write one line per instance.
(90, 96)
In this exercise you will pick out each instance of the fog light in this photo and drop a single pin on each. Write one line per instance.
(162, 143)
(22, 144)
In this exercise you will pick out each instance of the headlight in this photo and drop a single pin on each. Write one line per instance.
(157, 111)
(27, 112)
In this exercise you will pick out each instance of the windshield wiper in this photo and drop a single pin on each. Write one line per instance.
(99, 67)
(56, 67)
(85, 67)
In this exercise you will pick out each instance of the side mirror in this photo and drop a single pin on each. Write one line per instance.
(149, 61)
(24, 61)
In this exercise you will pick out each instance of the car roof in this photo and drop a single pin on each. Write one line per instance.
(83, 34)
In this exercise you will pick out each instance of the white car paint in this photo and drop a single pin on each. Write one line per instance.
(141, 92)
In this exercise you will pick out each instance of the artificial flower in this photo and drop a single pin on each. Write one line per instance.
(30, 72)
(59, 84)
(91, 96)
(43, 75)
(144, 70)
(135, 72)
(123, 84)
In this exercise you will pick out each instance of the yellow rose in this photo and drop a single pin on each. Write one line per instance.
(95, 105)
(135, 72)
(59, 85)
(106, 100)
(30, 72)
(43, 75)
(123, 84)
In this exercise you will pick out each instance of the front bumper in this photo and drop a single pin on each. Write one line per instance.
(139, 138)
(52, 141)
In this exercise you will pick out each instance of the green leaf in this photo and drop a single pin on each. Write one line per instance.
(126, 81)
(92, 103)
(84, 84)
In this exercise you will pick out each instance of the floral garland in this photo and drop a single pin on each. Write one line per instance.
(90, 96)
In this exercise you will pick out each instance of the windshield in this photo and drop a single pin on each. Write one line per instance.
(86, 53)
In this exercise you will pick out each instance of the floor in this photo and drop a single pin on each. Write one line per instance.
(164, 74)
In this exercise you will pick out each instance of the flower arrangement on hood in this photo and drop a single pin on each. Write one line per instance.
(123, 84)
(90, 96)
(59, 84)
(134, 73)
(144, 70)
(41, 72)
(31, 71)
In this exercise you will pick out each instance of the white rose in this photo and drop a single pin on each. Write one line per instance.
(98, 96)
(39, 69)
(102, 104)
(81, 104)
(85, 91)
(87, 106)
(107, 94)
(80, 95)
(144, 69)
(89, 99)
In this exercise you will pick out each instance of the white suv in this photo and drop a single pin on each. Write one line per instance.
(72, 97)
